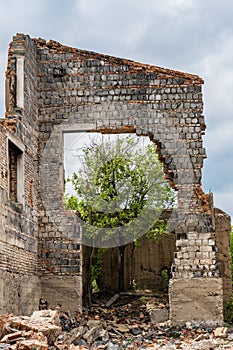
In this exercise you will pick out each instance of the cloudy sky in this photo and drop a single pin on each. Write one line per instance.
(194, 36)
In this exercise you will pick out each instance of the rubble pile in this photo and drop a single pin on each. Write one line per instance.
(38, 332)
(126, 325)
(122, 333)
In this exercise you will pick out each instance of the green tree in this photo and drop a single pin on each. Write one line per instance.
(119, 194)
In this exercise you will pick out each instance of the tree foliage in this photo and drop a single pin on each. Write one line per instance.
(116, 182)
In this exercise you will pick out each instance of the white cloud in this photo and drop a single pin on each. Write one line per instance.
(223, 200)
(219, 139)
(218, 72)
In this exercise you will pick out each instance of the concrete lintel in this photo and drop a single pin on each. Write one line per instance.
(20, 82)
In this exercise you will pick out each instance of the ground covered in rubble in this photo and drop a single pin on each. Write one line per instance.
(113, 322)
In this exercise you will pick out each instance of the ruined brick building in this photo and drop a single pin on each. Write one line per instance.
(52, 89)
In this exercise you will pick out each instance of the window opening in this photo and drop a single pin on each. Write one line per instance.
(16, 183)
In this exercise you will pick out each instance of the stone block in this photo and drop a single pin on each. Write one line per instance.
(46, 316)
(159, 315)
(196, 300)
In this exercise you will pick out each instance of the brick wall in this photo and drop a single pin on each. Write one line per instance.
(108, 94)
(143, 265)
(19, 229)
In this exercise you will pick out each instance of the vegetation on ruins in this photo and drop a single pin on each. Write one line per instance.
(119, 183)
